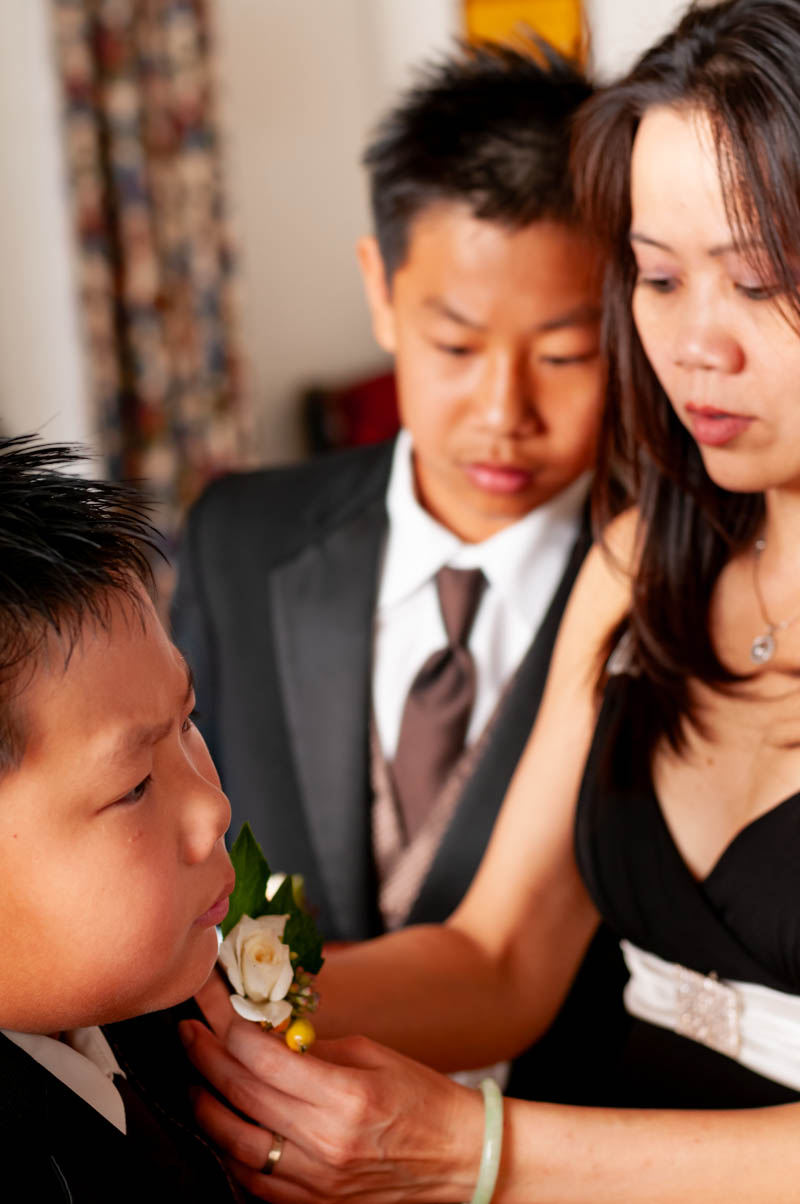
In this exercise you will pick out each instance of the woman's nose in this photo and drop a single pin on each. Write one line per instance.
(705, 347)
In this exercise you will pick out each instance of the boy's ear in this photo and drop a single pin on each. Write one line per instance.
(376, 287)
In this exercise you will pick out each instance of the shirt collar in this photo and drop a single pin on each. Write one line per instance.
(418, 546)
(84, 1061)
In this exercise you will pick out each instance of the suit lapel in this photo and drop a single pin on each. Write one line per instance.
(324, 668)
(464, 842)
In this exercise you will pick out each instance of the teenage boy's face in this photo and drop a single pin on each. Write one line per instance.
(496, 343)
(113, 871)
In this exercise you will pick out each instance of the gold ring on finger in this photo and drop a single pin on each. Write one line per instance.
(274, 1155)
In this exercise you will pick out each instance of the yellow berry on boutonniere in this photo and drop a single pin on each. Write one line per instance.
(300, 1035)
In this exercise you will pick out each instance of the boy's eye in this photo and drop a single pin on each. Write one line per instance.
(562, 361)
(190, 721)
(454, 349)
(659, 284)
(137, 794)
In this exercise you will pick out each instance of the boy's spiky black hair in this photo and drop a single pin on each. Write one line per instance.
(488, 127)
(66, 543)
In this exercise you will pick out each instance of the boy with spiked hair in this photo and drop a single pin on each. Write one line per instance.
(113, 872)
(315, 602)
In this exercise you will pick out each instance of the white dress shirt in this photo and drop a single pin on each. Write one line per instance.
(84, 1061)
(523, 565)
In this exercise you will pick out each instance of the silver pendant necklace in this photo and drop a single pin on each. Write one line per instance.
(763, 646)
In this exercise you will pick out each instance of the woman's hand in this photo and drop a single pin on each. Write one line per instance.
(360, 1122)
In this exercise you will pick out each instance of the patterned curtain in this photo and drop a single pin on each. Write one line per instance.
(154, 260)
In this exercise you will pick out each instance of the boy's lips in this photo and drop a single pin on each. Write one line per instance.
(216, 913)
(499, 478)
(714, 427)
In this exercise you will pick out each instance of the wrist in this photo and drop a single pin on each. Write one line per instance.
(492, 1146)
(463, 1158)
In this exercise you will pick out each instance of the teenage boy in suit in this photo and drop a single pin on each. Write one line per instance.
(113, 870)
(308, 596)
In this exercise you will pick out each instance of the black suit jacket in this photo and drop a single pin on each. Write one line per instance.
(274, 611)
(59, 1149)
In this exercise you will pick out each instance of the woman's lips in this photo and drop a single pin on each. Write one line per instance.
(714, 427)
(499, 478)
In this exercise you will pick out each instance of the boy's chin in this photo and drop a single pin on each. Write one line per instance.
(195, 976)
(181, 985)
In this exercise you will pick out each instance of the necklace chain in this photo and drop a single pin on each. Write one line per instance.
(763, 646)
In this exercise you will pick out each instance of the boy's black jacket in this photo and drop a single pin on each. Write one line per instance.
(57, 1148)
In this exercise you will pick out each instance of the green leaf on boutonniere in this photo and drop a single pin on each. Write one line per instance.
(302, 937)
(252, 871)
(249, 898)
(300, 933)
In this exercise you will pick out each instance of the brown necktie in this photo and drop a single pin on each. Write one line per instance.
(439, 702)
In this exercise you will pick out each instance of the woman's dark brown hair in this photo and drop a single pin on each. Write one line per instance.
(737, 63)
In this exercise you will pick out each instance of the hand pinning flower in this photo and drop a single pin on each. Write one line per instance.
(271, 947)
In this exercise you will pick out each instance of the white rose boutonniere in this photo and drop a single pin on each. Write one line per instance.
(271, 947)
(259, 967)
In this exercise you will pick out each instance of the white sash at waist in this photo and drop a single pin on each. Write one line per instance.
(755, 1025)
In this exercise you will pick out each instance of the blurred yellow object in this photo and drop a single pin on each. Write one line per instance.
(560, 21)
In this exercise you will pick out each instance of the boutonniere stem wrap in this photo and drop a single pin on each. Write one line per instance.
(271, 948)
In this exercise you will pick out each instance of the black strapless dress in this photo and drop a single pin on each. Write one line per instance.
(741, 922)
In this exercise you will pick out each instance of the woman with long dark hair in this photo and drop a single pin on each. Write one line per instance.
(661, 785)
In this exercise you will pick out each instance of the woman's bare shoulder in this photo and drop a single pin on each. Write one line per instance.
(602, 594)
(620, 542)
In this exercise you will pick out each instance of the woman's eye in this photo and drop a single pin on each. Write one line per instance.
(759, 292)
(189, 722)
(455, 349)
(137, 794)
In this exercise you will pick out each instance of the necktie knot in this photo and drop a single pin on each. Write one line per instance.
(459, 594)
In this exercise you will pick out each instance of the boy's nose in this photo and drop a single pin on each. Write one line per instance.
(503, 401)
(706, 347)
(207, 817)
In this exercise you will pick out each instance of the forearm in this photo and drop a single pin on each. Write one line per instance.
(560, 1155)
(441, 996)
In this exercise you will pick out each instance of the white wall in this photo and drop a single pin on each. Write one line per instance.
(42, 383)
(622, 29)
(299, 86)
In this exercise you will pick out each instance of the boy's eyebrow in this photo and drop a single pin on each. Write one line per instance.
(579, 315)
(148, 734)
(446, 311)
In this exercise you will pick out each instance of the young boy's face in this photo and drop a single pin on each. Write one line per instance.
(113, 870)
(495, 334)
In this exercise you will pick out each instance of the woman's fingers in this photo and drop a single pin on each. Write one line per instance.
(214, 1001)
(246, 1148)
(246, 1143)
(301, 1076)
(233, 1080)
(360, 1122)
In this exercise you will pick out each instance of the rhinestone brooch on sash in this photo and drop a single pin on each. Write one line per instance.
(707, 1011)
